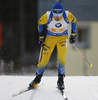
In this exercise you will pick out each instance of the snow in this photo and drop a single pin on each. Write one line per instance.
(77, 88)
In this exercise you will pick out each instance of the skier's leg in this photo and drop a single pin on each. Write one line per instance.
(62, 49)
(47, 50)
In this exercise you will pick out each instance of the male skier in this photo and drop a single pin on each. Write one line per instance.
(57, 21)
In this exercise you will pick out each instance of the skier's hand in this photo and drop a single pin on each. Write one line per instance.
(72, 38)
(41, 40)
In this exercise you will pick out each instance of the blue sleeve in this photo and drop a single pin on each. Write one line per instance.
(40, 29)
(74, 26)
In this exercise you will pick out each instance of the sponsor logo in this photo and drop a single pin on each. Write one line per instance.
(45, 49)
(58, 25)
(62, 45)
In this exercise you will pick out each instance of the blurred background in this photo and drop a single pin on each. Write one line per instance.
(19, 48)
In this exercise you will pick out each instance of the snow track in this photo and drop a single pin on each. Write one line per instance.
(77, 88)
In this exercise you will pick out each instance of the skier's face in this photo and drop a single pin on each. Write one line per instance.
(57, 16)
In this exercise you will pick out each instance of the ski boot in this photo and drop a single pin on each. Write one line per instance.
(35, 82)
(60, 82)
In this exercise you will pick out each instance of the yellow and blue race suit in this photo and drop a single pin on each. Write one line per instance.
(57, 35)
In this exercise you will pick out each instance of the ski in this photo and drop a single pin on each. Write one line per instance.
(21, 91)
(25, 90)
(63, 94)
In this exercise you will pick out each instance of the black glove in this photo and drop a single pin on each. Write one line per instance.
(72, 38)
(41, 40)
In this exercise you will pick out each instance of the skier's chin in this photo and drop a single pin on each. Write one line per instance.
(57, 19)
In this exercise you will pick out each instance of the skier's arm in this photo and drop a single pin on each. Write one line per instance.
(73, 20)
(42, 21)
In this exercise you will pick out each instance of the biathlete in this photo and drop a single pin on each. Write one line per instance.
(57, 21)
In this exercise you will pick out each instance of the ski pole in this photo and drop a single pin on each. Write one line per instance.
(40, 54)
(82, 55)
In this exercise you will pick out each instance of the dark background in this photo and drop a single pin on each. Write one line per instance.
(20, 35)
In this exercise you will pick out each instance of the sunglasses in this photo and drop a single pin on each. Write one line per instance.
(59, 15)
